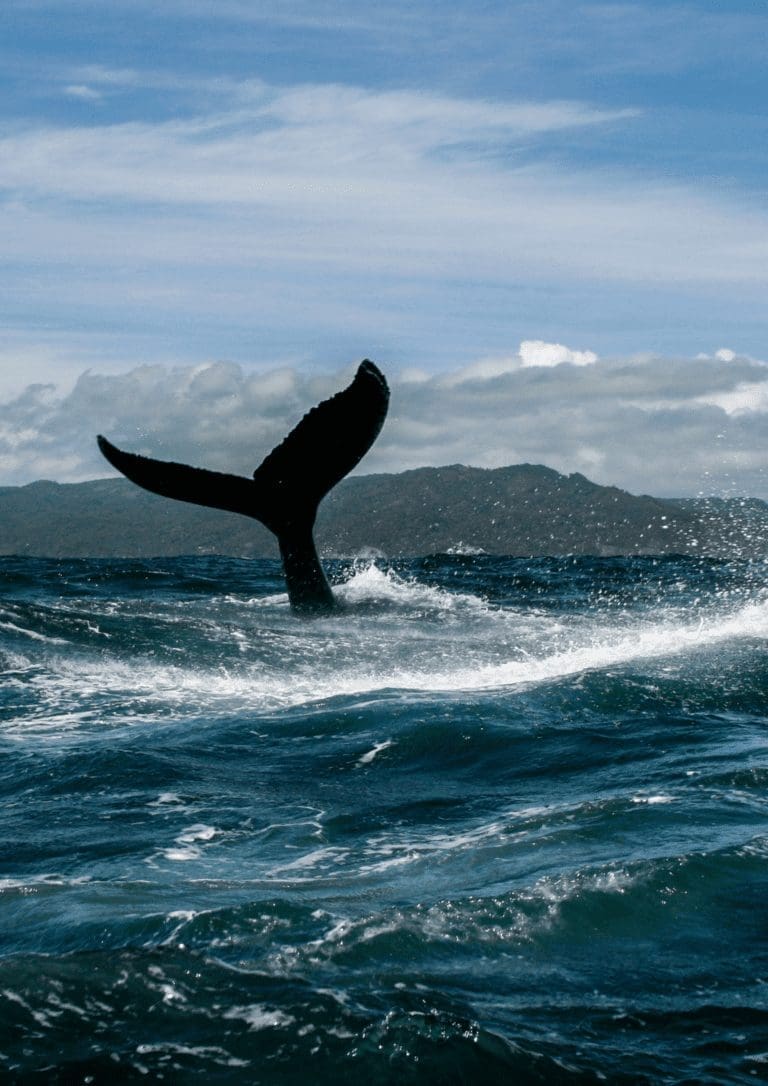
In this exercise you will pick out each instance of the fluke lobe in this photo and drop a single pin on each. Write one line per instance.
(289, 484)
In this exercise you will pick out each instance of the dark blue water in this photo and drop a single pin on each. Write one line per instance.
(503, 821)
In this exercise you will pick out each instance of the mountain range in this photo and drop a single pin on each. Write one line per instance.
(526, 509)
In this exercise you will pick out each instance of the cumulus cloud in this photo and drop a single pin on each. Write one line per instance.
(534, 352)
(667, 426)
(750, 397)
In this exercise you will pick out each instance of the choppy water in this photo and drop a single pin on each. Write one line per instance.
(501, 821)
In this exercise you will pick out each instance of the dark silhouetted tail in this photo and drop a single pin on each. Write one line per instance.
(326, 445)
(289, 484)
(214, 488)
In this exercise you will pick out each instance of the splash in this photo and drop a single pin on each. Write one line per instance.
(409, 638)
(369, 584)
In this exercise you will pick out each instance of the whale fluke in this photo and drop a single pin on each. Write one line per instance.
(289, 484)
(197, 485)
(325, 446)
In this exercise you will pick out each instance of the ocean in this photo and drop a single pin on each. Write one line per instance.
(499, 821)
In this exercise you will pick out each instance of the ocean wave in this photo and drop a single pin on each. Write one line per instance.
(282, 668)
(498, 820)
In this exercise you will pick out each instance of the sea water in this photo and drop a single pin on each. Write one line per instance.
(498, 820)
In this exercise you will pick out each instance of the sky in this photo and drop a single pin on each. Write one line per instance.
(546, 222)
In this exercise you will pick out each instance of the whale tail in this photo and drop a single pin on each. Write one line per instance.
(326, 445)
(289, 484)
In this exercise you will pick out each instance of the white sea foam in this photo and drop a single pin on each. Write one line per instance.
(166, 798)
(320, 856)
(370, 584)
(260, 1017)
(42, 1019)
(32, 884)
(603, 649)
(368, 757)
(207, 1052)
(465, 550)
(513, 917)
(186, 847)
(433, 642)
(32, 634)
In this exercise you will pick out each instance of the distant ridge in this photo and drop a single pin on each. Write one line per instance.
(526, 509)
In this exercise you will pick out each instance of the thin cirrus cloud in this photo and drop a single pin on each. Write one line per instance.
(347, 215)
(308, 136)
(83, 92)
(650, 424)
(347, 181)
(260, 222)
(403, 181)
(325, 175)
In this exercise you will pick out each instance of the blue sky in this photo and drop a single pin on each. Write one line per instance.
(290, 187)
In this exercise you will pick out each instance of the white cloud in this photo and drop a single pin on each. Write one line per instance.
(394, 182)
(531, 352)
(751, 397)
(83, 91)
(657, 425)
(328, 216)
(308, 137)
(534, 352)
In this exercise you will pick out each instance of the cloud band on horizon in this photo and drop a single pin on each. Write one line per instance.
(672, 427)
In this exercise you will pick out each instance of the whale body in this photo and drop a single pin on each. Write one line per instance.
(289, 484)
